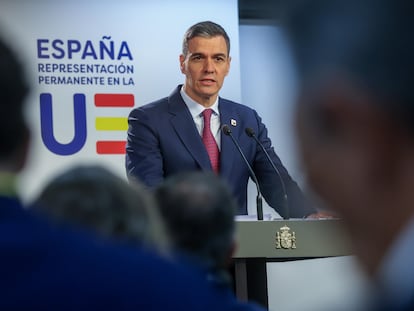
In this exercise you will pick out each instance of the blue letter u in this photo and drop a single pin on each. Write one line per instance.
(46, 121)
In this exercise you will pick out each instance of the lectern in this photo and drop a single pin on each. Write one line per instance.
(281, 240)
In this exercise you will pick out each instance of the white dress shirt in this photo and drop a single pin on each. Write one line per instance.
(196, 111)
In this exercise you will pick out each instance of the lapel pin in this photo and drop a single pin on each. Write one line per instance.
(233, 122)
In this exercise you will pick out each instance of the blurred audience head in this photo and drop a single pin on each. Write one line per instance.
(355, 113)
(92, 197)
(199, 212)
(14, 133)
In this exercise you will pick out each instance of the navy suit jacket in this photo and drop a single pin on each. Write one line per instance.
(50, 268)
(163, 140)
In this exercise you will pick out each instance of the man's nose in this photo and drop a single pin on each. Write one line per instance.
(209, 65)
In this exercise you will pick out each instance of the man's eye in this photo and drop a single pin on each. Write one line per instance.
(220, 59)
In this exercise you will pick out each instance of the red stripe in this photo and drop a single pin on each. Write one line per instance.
(114, 100)
(110, 147)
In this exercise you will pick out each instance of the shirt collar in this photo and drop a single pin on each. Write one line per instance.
(195, 108)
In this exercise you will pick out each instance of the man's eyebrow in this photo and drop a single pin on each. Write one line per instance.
(203, 54)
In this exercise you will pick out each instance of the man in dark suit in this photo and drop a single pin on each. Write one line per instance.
(173, 134)
(44, 267)
(355, 120)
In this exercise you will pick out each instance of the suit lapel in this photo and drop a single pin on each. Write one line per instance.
(228, 150)
(184, 126)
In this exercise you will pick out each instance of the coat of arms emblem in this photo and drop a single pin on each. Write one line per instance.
(285, 239)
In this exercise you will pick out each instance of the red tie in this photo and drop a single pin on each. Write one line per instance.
(210, 142)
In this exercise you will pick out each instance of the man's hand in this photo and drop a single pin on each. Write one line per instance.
(322, 215)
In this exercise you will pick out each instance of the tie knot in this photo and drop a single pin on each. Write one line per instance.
(207, 114)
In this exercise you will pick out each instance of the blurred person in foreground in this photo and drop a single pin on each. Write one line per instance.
(94, 198)
(355, 123)
(199, 213)
(46, 267)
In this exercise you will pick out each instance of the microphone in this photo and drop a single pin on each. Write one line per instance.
(250, 132)
(259, 199)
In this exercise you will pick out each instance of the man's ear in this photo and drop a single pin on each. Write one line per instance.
(182, 63)
(228, 65)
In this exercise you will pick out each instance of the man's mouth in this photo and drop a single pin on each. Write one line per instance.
(207, 81)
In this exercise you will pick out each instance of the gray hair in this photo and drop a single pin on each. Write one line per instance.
(205, 29)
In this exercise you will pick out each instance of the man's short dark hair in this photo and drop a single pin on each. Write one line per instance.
(205, 29)
(199, 212)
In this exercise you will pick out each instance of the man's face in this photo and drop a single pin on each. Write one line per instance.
(358, 159)
(205, 67)
(335, 153)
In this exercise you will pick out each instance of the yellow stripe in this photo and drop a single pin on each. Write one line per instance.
(111, 124)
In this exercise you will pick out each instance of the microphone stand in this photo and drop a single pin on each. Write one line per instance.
(250, 133)
(259, 199)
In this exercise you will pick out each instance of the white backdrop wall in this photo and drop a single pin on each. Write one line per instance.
(144, 37)
(268, 85)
